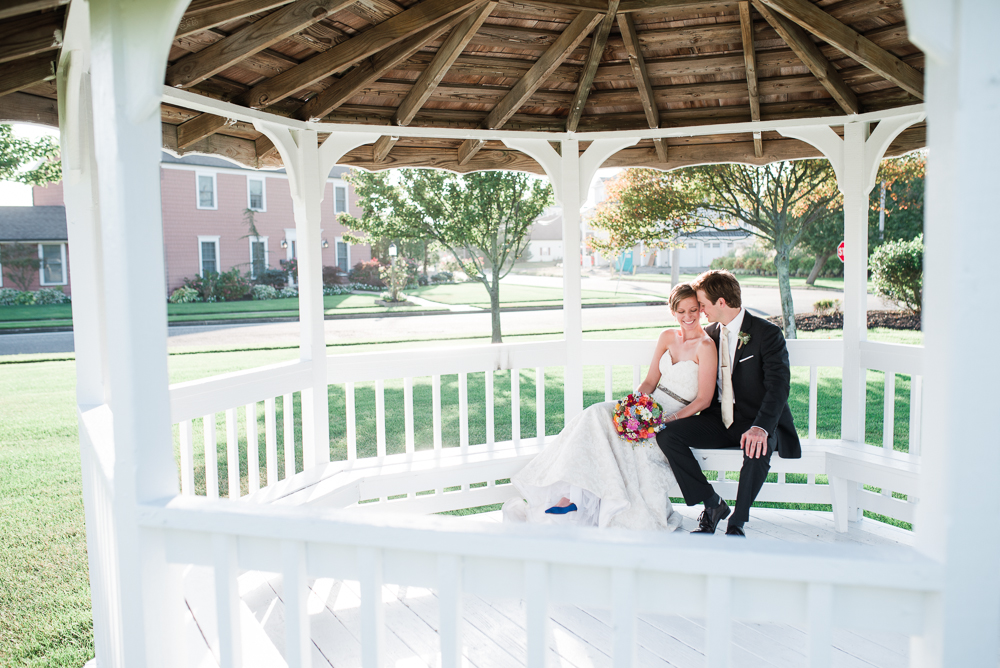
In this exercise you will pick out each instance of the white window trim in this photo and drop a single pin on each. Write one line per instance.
(251, 241)
(263, 192)
(340, 183)
(336, 256)
(62, 264)
(215, 191)
(201, 259)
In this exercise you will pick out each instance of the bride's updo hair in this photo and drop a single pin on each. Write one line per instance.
(681, 292)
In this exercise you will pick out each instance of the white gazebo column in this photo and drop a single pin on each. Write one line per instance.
(961, 316)
(308, 166)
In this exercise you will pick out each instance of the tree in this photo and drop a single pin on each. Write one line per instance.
(822, 239)
(903, 179)
(898, 271)
(17, 155)
(482, 219)
(20, 263)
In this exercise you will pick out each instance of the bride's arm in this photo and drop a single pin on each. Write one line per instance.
(653, 377)
(708, 361)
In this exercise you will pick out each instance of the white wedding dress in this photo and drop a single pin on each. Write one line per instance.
(612, 482)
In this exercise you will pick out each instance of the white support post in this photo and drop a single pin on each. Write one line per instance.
(958, 435)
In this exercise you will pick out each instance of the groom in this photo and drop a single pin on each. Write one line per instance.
(750, 411)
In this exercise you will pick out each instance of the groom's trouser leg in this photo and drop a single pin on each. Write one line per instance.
(752, 478)
(698, 431)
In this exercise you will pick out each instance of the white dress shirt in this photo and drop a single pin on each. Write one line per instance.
(734, 339)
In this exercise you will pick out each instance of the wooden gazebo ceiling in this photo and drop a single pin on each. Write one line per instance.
(550, 65)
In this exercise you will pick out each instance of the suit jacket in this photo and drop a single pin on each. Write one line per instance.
(761, 380)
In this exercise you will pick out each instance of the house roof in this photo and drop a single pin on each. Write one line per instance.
(548, 226)
(539, 65)
(33, 223)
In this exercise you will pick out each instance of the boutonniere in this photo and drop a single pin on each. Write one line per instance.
(744, 339)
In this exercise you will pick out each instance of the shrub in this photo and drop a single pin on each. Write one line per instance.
(898, 272)
(12, 297)
(827, 306)
(51, 296)
(333, 290)
(365, 287)
(287, 292)
(367, 273)
(443, 277)
(184, 295)
(225, 287)
(273, 277)
(261, 292)
(290, 268)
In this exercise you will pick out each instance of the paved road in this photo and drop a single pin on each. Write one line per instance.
(762, 301)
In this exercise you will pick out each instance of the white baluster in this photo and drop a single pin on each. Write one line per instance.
(916, 393)
(719, 635)
(352, 425)
(233, 453)
(211, 457)
(820, 618)
(536, 594)
(450, 603)
(253, 448)
(813, 400)
(608, 382)
(490, 435)
(187, 457)
(227, 600)
(288, 422)
(463, 411)
(540, 404)
(380, 418)
(636, 376)
(408, 413)
(436, 400)
(295, 594)
(372, 626)
(271, 441)
(889, 411)
(515, 406)
(623, 615)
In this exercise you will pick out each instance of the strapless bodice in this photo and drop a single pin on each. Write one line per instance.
(681, 378)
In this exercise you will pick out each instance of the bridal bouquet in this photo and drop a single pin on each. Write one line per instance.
(637, 417)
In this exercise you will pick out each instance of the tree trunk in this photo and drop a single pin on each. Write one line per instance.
(817, 267)
(495, 306)
(785, 290)
(425, 257)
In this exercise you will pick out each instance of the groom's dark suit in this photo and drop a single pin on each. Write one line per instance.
(760, 387)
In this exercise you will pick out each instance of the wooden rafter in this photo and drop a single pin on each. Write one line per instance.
(249, 40)
(810, 55)
(750, 60)
(191, 24)
(628, 6)
(373, 68)
(20, 74)
(597, 44)
(570, 38)
(25, 108)
(30, 36)
(12, 8)
(265, 148)
(861, 49)
(627, 26)
(432, 75)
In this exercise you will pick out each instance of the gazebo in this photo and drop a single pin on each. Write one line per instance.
(553, 87)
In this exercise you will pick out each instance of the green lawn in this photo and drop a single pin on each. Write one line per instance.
(45, 597)
(475, 294)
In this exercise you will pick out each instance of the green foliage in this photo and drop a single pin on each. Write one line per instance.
(228, 286)
(18, 158)
(904, 199)
(20, 263)
(897, 269)
(184, 295)
(262, 292)
(272, 277)
(51, 296)
(827, 306)
(44, 297)
(367, 273)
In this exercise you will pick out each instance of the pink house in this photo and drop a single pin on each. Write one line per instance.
(206, 203)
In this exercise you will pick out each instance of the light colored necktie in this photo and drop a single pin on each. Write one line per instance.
(727, 379)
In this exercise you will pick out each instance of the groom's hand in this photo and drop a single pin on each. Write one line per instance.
(754, 442)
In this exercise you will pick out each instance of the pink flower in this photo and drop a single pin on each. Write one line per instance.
(633, 424)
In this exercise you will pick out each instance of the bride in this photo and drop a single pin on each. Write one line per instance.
(589, 476)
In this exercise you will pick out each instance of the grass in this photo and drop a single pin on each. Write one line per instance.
(475, 294)
(45, 597)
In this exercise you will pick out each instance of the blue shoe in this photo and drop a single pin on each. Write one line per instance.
(561, 510)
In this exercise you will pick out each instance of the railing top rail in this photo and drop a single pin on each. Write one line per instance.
(650, 551)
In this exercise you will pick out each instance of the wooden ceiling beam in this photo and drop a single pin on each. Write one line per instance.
(849, 41)
(373, 68)
(429, 79)
(30, 36)
(201, 126)
(20, 74)
(191, 24)
(570, 38)
(627, 26)
(597, 44)
(625, 6)
(265, 148)
(353, 51)
(25, 108)
(807, 51)
(11, 8)
(249, 40)
(750, 63)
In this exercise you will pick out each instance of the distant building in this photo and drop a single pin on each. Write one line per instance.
(44, 227)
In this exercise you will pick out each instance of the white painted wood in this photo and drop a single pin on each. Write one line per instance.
(288, 425)
(380, 418)
(463, 411)
(216, 394)
(820, 602)
(515, 406)
(539, 404)
(211, 457)
(608, 382)
(436, 409)
(624, 617)
(271, 441)
(889, 411)
(227, 601)
(916, 405)
(408, 413)
(233, 453)
(536, 594)
(253, 448)
(372, 623)
(449, 573)
(490, 397)
(813, 401)
(720, 622)
(295, 592)
(636, 376)
(352, 424)
(187, 457)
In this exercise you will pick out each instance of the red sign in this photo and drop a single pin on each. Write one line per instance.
(840, 251)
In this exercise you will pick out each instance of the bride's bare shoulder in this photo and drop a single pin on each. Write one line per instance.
(706, 346)
(668, 336)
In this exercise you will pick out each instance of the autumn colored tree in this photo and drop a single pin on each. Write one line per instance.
(482, 219)
(34, 163)
(903, 179)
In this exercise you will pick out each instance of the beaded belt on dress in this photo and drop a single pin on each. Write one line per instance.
(673, 395)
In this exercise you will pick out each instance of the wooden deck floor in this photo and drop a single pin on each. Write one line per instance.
(494, 635)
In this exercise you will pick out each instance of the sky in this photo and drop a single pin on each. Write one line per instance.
(18, 194)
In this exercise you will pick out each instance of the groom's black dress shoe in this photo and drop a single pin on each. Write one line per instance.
(710, 518)
(735, 531)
